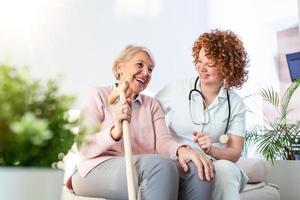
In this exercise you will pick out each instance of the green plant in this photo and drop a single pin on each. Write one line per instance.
(34, 125)
(274, 139)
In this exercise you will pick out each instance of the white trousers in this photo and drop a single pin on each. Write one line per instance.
(229, 180)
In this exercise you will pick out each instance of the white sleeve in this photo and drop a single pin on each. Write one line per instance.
(237, 119)
(164, 97)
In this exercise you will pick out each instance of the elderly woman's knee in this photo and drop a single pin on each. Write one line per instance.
(193, 172)
(168, 165)
(194, 182)
(192, 169)
(160, 164)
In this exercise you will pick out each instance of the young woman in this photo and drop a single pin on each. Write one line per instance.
(205, 109)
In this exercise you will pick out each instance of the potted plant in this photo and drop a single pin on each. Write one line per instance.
(276, 137)
(35, 132)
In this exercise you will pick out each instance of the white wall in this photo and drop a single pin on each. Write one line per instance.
(80, 38)
(257, 23)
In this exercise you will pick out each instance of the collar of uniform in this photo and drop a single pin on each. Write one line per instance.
(221, 95)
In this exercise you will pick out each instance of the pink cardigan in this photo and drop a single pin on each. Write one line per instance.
(147, 120)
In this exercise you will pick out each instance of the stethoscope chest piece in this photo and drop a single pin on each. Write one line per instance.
(223, 139)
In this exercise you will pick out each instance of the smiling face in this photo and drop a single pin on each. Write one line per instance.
(137, 71)
(209, 73)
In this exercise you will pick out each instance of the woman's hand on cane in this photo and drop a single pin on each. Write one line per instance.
(121, 110)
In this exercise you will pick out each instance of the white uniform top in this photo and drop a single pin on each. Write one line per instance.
(174, 101)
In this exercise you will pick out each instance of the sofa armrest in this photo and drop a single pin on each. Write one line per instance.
(256, 169)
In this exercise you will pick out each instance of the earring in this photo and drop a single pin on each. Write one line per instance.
(117, 82)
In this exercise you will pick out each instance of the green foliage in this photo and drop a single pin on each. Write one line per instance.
(275, 138)
(34, 125)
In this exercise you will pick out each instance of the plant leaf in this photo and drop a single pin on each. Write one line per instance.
(271, 96)
(287, 97)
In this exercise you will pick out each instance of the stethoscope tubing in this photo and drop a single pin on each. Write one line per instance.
(198, 91)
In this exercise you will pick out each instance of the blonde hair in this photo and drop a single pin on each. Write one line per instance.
(128, 53)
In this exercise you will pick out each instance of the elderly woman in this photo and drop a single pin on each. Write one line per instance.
(165, 169)
(207, 114)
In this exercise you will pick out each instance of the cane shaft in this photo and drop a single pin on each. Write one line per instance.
(128, 156)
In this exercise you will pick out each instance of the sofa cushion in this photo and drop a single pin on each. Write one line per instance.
(256, 169)
(253, 186)
(260, 191)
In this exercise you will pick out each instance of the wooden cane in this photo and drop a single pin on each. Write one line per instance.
(120, 91)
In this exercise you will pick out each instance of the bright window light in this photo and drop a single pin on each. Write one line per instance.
(16, 14)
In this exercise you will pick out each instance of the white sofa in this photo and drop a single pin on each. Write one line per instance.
(256, 169)
(256, 188)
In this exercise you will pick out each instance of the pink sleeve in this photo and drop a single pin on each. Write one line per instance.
(96, 141)
(166, 144)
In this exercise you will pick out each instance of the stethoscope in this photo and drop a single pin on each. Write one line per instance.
(223, 138)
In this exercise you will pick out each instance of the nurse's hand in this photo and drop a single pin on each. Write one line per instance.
(204, 165)
(203, 140)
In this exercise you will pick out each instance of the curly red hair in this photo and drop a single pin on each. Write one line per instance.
(226, 50)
